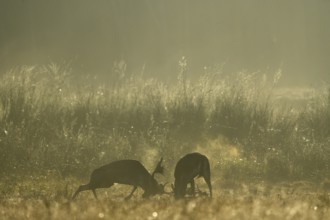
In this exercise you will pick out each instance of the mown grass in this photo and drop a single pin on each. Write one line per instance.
(53, 123)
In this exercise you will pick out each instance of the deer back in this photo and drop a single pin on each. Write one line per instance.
(130, 172)
(190, 166)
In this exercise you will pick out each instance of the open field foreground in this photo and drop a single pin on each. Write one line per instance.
(297, 200)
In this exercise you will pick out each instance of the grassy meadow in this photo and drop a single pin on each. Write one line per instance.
(269, 152)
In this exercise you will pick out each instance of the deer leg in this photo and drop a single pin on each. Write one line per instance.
(210, 188)
(208, 182)
(130, 195)
(192, 186)
(80, 189)
(94, 192)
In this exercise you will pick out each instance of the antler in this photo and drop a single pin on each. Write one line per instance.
(159, 168)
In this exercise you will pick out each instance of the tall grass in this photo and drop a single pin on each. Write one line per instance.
(49, 120)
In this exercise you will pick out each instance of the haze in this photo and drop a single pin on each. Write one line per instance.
(152, 35)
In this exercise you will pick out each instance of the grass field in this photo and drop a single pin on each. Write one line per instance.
(49, 198)
(268, 147)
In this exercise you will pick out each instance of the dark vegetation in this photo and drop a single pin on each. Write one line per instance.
(53, 121)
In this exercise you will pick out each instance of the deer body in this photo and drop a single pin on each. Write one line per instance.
(130, 172)
(188, 167)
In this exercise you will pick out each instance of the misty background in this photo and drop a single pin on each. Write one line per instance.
(152, 36)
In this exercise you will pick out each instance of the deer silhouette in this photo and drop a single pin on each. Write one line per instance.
(129, 172)
(188, 167)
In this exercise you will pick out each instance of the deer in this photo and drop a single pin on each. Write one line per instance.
(129, 172)
(187, 168)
